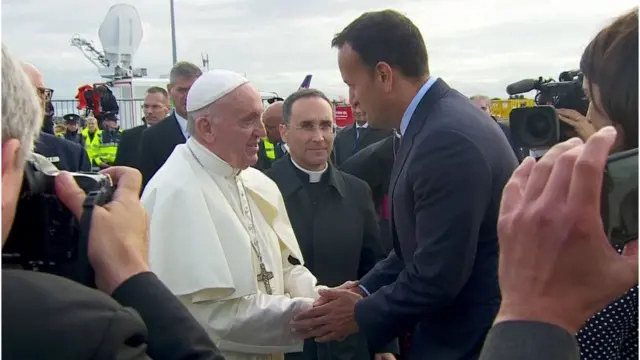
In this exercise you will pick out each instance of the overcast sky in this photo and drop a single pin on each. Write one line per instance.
(476, 46)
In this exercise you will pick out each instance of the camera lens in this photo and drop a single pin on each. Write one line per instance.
(538, 126)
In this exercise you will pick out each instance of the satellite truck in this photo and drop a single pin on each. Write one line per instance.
(120, 35)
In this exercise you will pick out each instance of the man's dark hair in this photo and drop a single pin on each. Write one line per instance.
(610, 61)
(157, 90)
(386, 36)
(287, 106)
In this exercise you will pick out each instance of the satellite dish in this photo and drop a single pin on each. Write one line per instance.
(120, 34)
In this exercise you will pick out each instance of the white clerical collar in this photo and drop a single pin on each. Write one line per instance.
(314, 176)
(210, 161)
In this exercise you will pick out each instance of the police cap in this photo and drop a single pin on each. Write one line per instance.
(110, 116)
(71, 118)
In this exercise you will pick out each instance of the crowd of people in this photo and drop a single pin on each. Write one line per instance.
(418, 232)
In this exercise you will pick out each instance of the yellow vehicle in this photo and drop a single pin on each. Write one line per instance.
(502, 108)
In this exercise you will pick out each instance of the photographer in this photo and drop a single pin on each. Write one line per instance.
(557, 265)
(49, 317)
(610, 67)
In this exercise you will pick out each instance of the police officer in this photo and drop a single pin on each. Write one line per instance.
(92, 142)
(72, 133)
(111, 136)
(64, 154)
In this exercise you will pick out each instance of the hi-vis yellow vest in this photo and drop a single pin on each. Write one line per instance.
(269, 149)
(93, 145)
(109, 146)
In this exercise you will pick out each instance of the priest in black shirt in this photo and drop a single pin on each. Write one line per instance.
(331, 212)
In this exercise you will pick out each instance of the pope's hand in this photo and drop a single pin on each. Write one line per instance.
(118, 238)
(556, 263)
(332, 321)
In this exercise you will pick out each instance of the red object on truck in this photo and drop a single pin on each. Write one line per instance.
(343, 115)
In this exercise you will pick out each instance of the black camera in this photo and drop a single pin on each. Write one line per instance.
(539, 126)
(45, 235)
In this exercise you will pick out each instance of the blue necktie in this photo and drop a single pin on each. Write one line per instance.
(359, 130)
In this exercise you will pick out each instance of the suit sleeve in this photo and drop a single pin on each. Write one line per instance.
(162, 312)
(85, 163)
(125, 337)
(529, 340)
(451, 190)
(371, 251)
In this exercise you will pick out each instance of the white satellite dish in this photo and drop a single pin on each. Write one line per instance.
(120, 34)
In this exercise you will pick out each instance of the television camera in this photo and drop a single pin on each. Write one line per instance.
(538, 127)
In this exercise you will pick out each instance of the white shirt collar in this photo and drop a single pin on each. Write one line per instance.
(211, 162)
(182, 122)
(314, 176)
(366, 125)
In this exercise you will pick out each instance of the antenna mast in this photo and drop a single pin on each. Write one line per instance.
(205, 61)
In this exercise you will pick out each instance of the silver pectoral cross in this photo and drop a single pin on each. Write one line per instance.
(265, 276)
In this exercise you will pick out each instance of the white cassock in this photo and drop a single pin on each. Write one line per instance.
(201, 248)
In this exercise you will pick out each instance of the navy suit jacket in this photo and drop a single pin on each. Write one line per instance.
(64, 154)
(440, 282)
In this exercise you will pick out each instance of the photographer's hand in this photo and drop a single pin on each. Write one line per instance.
(580, 123)
(118, 239)
(556, 263)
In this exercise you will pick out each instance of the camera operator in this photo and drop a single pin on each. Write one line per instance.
(49, 317)
(557, 266)
(581, 124)
(610, 67)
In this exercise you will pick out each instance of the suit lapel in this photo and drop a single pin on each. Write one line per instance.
(435, 93)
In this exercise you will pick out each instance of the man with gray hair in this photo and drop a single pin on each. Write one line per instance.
(51, 317)
(220, 237)
(158, 141)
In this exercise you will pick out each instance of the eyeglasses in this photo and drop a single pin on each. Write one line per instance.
(45, 93)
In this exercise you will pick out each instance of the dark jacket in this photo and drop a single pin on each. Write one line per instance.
(529, 340)
(336, 227)
(507, 132)
(264, 163)
(128, 149)
(64, 154)
(346, 143)
(49, 317)
(157, 144)
(441, 280)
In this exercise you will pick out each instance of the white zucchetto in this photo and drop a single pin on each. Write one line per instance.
(211, 86)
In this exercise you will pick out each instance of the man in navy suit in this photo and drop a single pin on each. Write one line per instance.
(440, 282)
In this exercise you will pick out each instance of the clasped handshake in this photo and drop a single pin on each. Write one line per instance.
(332, 316)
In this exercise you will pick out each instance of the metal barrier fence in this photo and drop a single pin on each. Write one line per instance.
(130, 110)
(64, 107)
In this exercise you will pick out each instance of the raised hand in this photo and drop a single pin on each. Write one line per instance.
(556, 263)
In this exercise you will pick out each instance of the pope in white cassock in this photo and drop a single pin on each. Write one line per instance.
(220, 237)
